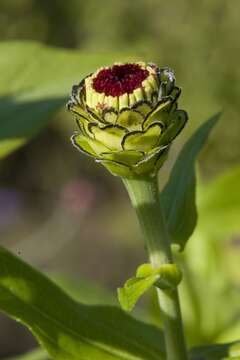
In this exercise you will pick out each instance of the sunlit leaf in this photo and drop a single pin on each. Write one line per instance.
(70, 330)
(211, 263)
(35, 83)
(164, 277)
(133, 289)
(38, 354)
(219, 203)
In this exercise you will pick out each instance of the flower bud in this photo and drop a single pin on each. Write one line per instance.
(128, 116)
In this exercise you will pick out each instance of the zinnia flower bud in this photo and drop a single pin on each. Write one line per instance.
(128, 116)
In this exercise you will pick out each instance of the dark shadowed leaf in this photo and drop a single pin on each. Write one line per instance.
(217, 352)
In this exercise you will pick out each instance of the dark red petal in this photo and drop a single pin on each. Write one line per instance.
(119, 79)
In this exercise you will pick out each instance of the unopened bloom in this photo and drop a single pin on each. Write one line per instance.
(128, 116)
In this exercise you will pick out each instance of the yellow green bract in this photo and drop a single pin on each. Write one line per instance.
(130, 134)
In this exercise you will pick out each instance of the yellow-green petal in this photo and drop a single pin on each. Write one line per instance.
(112, 102)
(83, 125)
(139, 94)
(159, 113)
(143, 106)
(175, 93)
(77, 109)
(150, 164)
(117, 169)
(123, 101)
(177, 123)
(128, 157)
(110, 116)
(94, 116)
(161, 158)
(81, 143)
(89, 146)
(143, 140)
(111, 136)
(130, 119)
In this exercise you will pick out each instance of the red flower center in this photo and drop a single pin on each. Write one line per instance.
(119, 79)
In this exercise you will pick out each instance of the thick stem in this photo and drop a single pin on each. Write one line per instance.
(144, 196)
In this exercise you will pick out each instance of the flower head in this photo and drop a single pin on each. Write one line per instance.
(128, 116)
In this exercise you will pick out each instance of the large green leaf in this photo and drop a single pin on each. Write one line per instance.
(38, 354)
(84, 290)
(211, 263)
(217, 352)
(35, 82)
(21, 119)
(178, 196)
(70, 330)
(219, 203)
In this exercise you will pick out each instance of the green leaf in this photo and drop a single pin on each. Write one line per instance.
(67, 329)
(38, 354)
(84, 290)
(133, 289)
(178, 196)
(35, 83)
(21, 118)
(217, 352)
(166, 276)
(211, 262)
(219, 203)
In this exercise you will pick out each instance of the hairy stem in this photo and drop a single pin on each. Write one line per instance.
(144, 195)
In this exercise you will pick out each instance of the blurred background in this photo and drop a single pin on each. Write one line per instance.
(66, 215)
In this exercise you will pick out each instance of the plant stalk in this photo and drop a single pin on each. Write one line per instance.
(144, 195)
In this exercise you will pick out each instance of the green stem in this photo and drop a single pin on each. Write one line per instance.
(144, 195)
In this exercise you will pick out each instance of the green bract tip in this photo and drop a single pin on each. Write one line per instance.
(128, 116)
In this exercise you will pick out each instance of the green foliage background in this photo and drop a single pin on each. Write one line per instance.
(200, 41)
(197, 39)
